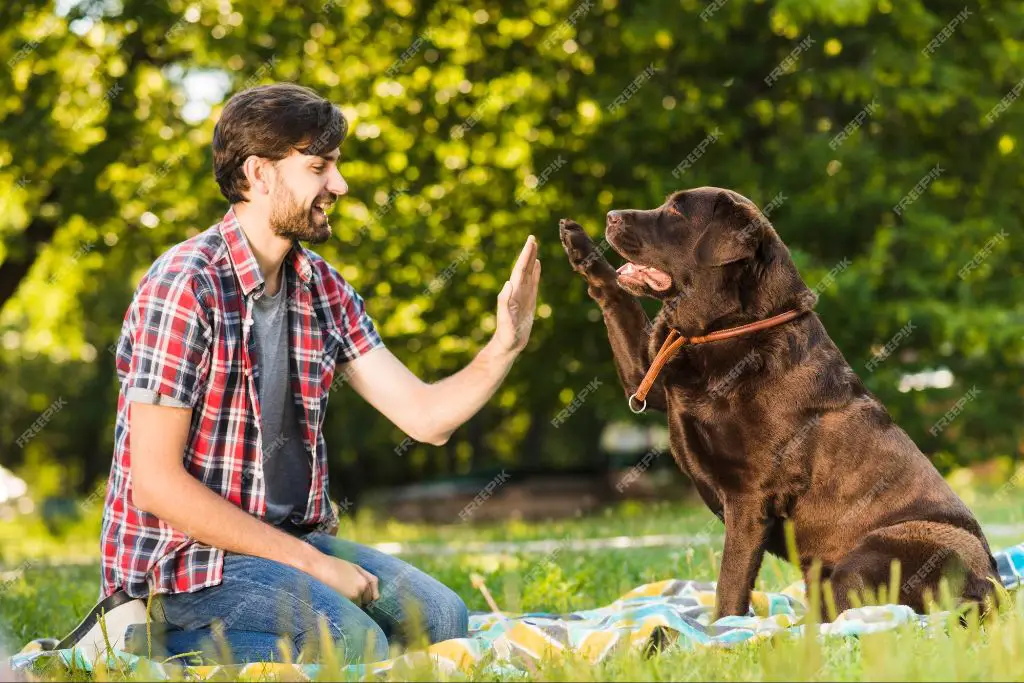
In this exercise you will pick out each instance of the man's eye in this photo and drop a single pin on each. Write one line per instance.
(319, 168)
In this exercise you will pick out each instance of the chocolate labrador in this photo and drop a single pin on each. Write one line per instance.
(773, 425)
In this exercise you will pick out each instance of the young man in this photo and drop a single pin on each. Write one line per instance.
(218, 495)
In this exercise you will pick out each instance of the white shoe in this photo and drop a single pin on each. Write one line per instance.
(118, 611)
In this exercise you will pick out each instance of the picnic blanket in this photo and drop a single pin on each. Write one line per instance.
(670, 613)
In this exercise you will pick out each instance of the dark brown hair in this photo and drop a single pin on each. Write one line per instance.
(269, 121)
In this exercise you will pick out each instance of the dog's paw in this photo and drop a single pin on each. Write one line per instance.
(585, 257)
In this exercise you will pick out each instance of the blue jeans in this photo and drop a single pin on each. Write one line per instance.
(261, 601)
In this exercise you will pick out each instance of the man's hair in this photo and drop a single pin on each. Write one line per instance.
(269, 121)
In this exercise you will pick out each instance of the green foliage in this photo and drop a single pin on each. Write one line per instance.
(100, 172)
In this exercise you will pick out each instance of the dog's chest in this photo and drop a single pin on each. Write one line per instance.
(725, 452)
(694, 448)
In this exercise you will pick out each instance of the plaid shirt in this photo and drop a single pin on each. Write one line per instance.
(187, 335)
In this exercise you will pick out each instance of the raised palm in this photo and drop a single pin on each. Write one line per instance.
(518, 300)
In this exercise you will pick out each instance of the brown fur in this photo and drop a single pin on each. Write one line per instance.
(776, 425)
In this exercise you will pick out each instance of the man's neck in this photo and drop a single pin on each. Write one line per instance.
(269, 249)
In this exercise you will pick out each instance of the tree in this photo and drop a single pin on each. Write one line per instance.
(476, 125)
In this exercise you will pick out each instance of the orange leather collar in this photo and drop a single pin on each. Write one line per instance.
(676, 341)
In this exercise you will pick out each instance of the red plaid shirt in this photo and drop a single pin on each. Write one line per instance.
(187, 335)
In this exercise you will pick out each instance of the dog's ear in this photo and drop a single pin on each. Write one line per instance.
(733, 233)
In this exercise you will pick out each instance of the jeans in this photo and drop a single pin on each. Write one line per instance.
(261, 601)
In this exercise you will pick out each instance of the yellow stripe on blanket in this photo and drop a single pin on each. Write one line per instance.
(705, 598)
(532, 640)
(760, 603)
(595, 645)
(456, 651)
(649, 590)
(642, 635)
(797, 591)
(261, 671)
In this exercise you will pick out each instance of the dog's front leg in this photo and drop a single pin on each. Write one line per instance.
(627, 323)
(746, 534)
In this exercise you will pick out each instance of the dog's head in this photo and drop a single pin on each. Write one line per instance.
(710, 250)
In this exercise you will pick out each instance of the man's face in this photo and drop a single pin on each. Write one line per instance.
(303, 189)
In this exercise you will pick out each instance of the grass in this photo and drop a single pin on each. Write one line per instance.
(60, 582)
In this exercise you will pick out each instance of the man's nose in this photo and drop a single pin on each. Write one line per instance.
(614, 219)
(336, 184)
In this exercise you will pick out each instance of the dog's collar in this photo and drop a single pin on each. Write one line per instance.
(676, 340)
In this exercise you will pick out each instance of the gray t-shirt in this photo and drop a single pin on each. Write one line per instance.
(287, 468)
(286, 465)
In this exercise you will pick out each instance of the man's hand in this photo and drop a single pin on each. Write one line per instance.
(518, 300)
(351, 580)
(431, 412)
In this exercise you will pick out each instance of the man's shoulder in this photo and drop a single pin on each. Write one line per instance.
(194, 263)
(332, 281)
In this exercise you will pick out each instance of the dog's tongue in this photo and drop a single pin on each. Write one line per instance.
(656, 279)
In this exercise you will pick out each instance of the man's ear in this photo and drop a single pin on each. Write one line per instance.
(732, 234)
(257, 171)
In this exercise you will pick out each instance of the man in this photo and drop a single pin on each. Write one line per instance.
(218, 492)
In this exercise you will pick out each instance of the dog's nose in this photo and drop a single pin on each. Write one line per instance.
(614, 219)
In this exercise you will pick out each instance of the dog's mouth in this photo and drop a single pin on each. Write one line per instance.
(636, 274)
(626, 242)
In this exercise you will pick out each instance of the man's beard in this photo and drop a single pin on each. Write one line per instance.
(291, 220)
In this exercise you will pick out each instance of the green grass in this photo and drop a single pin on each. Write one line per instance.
(52, 595)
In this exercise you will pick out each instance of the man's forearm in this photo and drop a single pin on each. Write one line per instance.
(455, 399)
(190, 507)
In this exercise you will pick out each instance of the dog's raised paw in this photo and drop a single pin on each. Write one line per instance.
(584, 256)
(575, 240)
(571, 232)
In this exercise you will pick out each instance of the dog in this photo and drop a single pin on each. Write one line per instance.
(774, 425)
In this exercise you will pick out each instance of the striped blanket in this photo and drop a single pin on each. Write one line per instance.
(674, 612)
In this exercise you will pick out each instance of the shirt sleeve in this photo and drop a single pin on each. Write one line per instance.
(360, 332)
(138, 395)
(171, 343)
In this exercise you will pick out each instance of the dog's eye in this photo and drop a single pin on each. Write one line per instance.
(673, 210)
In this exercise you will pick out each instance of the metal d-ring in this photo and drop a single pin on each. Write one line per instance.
(643, 405)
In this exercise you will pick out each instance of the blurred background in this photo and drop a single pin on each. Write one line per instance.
(882, 137)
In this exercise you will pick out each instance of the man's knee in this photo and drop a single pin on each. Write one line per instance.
(361, 641)
(365, 642)
(356, 637)
(446, 616)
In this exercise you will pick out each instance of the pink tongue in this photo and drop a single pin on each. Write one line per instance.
(657, 279)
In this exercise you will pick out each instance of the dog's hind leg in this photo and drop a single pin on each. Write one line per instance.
(861, 573)
(627, 323)
(927, 552)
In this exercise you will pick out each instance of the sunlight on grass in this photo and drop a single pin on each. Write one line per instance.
(943, 652)
(43, 598)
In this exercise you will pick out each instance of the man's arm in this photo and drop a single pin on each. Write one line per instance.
(428, 412)
(431, 412)
(162, 486)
